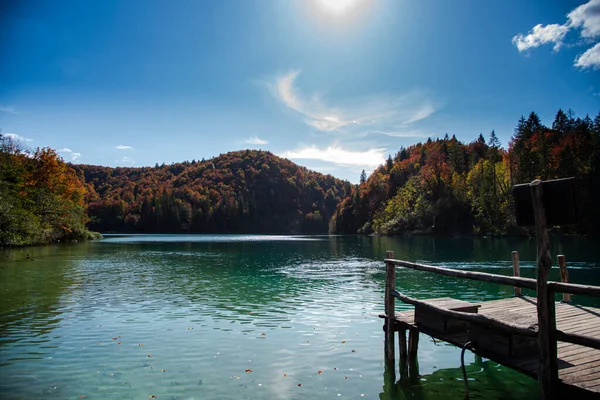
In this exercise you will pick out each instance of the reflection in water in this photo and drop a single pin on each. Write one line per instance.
(486, 380)
(184, 317)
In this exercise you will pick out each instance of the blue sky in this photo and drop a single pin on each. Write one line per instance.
(335, 85)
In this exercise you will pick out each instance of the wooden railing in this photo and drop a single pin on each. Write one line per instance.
(546, 332)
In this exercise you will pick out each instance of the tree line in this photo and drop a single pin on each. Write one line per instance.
(41, 197)
(444, 186)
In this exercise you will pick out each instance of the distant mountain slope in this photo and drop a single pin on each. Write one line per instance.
(242, 191)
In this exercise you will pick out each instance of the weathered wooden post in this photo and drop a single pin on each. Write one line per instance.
(390, 284)
(543, 204)
(564, 276)
(516, 270)
(548, 370)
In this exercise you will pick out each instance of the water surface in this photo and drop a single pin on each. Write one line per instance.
(244, 317)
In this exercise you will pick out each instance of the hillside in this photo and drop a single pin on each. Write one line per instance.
(444, 186)
(245, 191)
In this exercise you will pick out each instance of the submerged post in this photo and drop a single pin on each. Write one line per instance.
(548, 369)
(390, 284)
(516, 270)
(564, 276)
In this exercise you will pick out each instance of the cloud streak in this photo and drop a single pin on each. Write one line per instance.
(585, 18)
(123, 147)
(350, 115)
(256, 140)
(74, 155)
(369, 158)
(9, 110)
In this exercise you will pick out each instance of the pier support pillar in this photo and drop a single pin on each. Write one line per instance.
(413, 343)
(390, 284)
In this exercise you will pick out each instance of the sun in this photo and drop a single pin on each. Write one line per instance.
(338, 6)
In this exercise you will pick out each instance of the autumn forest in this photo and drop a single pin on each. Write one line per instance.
(440, 187)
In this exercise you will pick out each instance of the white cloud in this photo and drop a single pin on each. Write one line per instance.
(587, 17)
(74, 155)
(9, 110)
(539, 35)
(256, 140)
(123, 147)
(589, 59)
(368, 158)
(125, 161)
(18, 138)
(350, 114)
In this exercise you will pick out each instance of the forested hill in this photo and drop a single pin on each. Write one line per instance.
(444, 186)
(243, 191)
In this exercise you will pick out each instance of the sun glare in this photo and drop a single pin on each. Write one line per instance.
(338, 6)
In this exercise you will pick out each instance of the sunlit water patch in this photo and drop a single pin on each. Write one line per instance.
(222, 317)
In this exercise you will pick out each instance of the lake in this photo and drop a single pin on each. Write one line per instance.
(244, 317)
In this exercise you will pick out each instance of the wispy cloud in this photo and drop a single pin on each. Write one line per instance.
(125, 161)
(9, 110)
(123, 147)
(18, 138)
(368, 158)
(354, 114)
(256, 140)
(74, 155)
(585, 18)
(539, 35)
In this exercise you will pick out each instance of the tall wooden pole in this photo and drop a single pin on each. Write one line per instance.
(516, 270)
(548, 369)
(390, 284)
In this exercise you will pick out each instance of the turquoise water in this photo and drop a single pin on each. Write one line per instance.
(242, 317)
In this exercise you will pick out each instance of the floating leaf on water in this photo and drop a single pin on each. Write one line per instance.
(248, 370)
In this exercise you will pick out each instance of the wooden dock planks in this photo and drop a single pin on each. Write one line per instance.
(579, 366)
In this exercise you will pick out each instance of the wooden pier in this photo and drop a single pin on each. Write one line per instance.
(507, 331)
